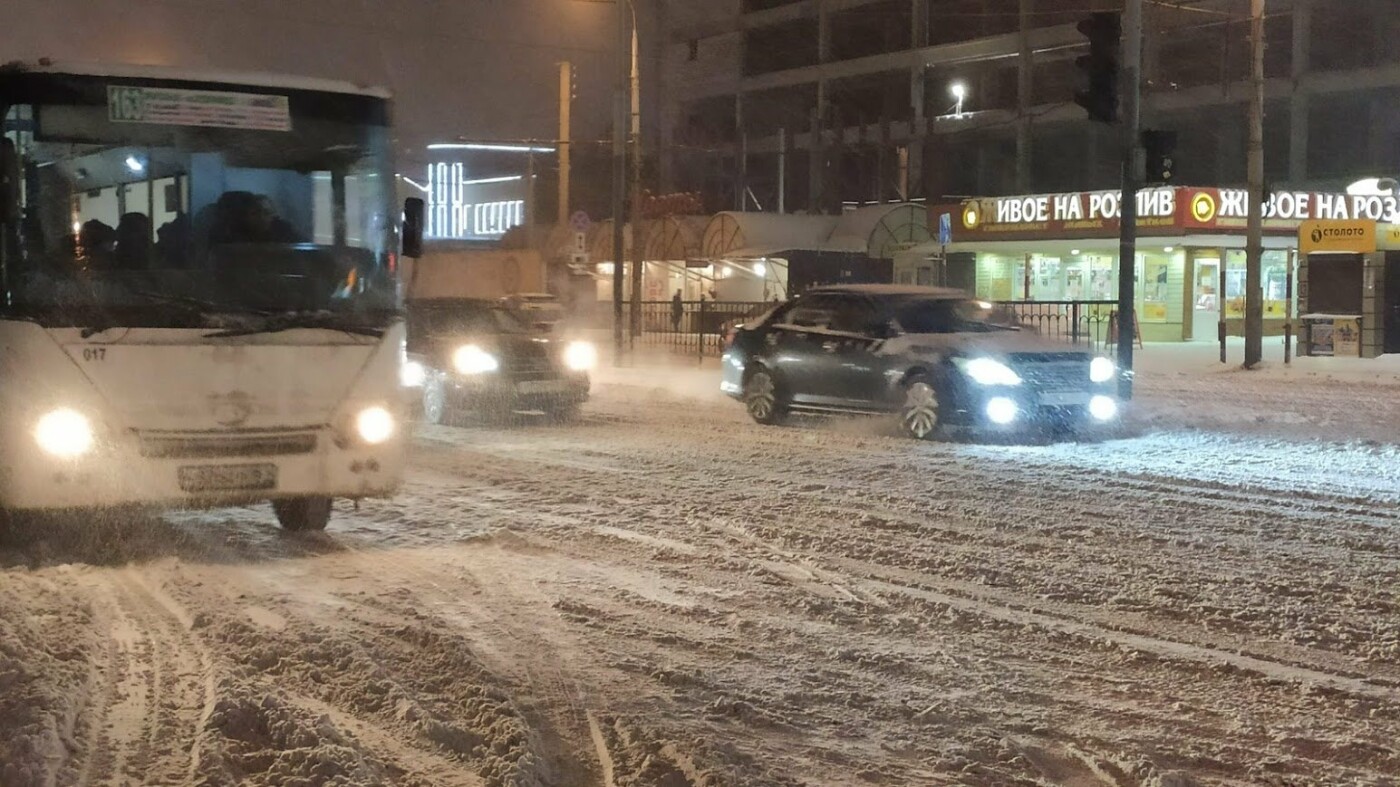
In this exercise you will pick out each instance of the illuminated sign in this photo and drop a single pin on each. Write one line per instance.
(453, 215)
(1080, 212)
(1166, 210)
(1357, 237)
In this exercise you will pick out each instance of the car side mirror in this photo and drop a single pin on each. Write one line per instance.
(413, 212)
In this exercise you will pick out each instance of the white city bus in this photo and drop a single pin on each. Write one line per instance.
(199, 299)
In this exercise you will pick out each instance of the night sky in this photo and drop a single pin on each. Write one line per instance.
(480, 68)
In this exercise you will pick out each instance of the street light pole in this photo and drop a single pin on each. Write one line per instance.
(619, 184)
(1133, 169)
(1254, 254)
(638, 248)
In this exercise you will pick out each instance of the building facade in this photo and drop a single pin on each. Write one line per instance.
(812, 104)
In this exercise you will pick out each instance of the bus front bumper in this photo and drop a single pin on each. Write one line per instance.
(202, 470)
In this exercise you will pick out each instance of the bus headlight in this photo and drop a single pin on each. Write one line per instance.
(580, 356)
(472, 360)
(375, 425)
(1102, 370)
(64, 433)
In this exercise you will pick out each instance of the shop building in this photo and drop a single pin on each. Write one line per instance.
(1349, 286)
(1190, 265)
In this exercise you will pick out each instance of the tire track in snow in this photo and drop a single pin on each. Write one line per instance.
(1070, 620)
(157, 688)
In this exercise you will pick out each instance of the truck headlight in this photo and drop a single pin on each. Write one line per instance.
(989, 371)
(472, 360)
(1102, 370)
(375, 425)
(64, 433)
(580, 356)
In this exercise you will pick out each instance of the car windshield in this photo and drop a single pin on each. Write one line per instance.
(943, 315)
(468, 320)
(138, 194)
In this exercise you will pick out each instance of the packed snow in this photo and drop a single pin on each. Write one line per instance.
(664, 593)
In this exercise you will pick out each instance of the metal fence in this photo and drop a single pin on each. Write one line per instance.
(694, 326)
(699, 327)
(1087, 323)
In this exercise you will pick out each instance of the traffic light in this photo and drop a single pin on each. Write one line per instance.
(1160, 147)
(1100, 67)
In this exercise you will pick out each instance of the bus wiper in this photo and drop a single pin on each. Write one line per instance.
(188, 306)
(292, 321)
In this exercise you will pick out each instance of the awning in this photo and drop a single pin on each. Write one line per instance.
(734, 235)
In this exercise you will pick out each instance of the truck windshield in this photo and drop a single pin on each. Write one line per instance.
(132, 200)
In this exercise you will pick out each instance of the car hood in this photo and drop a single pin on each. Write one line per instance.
(999, 343)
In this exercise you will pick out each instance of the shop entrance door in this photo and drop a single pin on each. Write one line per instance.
(1206, 319)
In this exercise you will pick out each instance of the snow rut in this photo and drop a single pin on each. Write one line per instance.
(155, 687)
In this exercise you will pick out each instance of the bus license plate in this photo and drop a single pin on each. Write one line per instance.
(228, 478)
(541, 387)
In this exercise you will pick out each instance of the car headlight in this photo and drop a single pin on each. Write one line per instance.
(375, 425)
(580, 356)
(1102, 370)
(64, 433)
(470, 359)
(989, 371)
(412, 374)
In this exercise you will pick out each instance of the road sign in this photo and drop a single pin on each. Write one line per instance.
(580, 243)
(580, 222)
(945, 229)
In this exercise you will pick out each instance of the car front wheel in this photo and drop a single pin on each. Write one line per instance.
(764, 399)
(303, 513)
(920, 417)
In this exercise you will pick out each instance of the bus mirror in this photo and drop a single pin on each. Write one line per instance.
(413, 228)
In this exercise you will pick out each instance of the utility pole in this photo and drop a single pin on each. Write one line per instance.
(1254, 247)
(566, 104)
(619, 184)
(1133, 170)
(638, 237)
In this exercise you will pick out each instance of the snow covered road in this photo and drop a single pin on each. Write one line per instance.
(666, 594)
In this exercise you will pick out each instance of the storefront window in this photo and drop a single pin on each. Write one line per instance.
(1156, 287)
(1275, 283)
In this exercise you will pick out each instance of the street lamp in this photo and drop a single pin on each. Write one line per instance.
(959, 91)
(628, 81)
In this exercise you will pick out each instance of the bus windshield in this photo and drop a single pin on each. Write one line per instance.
(134, 200)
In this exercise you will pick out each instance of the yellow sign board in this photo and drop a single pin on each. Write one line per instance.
(1355, 237)
(1390, 236)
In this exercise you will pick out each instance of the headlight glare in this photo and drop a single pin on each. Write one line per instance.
(989, 371)
(471, 359)
(375, 425)
(1103, 408)
(1102, 370)
(64, 433)
(580, 356)
(412, 374)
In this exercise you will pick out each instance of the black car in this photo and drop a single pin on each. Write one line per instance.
(932, 356)
(475, 356)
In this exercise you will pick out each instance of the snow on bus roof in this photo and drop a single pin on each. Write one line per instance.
(240, 78)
